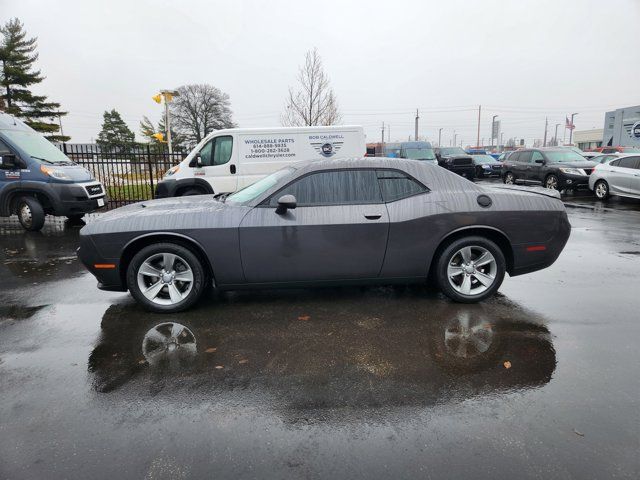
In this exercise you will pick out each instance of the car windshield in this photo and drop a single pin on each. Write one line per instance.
(483, 158)
(452, 151)
(255, 189)
(419, 153)
(37, 146)
(563, 156)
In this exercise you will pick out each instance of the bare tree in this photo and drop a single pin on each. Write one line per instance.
(314, 102)
(198, 110)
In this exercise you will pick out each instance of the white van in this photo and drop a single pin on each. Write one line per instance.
(228, 160)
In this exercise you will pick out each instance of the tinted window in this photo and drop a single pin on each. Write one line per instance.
(217, 151)
(628, 162)
(614, 163)
(536, 156)
(525, 157)
(3, 148)
(341, 187)
(397, 185)
(514, 157)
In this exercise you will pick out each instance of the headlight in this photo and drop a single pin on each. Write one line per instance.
(52, 172)
(172, 170)
(486, 167)
(572, 171)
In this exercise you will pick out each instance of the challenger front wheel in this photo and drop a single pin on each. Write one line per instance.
(166, 277)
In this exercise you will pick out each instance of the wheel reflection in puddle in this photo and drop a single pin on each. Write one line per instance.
(169, 343)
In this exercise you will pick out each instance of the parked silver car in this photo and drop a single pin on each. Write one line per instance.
(617, 177)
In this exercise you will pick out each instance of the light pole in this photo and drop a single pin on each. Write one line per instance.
(168, 96)
(555, 136)
(493, 129)
(571, 129)
(439, 136)
(455, 136)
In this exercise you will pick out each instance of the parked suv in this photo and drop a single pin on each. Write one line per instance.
(555, 168)
(37, 179)
(617, 177)
(418, 151)
(456, 160)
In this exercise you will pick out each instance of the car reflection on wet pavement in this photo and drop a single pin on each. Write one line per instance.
(539, 382)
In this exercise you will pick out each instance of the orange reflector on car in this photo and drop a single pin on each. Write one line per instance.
(104, 265)
(536, 248)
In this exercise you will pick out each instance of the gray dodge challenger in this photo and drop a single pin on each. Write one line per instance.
(328, 222)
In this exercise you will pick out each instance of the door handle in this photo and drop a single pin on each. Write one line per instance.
(232, 168)
(372, 216)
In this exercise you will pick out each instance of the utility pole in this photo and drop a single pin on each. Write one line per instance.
(493, 123)
(168, 96)
(417, 118)
(60, 123)
(478, 139)
(501, 138)
(382, 143)
(571, 129)
(388, 133)
(439, 136)
(555, 136)
(546, 123)
(455, 136)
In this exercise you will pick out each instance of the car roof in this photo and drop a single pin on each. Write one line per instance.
(357, 162)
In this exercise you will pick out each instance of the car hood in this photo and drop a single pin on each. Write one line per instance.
(168, 214)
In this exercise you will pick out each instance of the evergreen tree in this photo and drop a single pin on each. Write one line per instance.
(115, 134)
(17, 74)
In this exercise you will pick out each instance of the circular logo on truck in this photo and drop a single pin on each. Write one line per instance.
(327, 149)
(635, 130)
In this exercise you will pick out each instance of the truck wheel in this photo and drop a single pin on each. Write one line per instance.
(191, 191)
(30, 214)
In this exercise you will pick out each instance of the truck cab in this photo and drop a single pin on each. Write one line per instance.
(37, 179)
(422, 151)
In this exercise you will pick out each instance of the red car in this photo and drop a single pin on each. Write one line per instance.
(616, 150)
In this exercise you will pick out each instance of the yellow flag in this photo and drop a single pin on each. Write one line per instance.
(158, 136)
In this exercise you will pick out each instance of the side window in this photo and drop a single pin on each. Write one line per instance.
(614, 163)
(514, 157)
(525, 157)
(628, 162)
(340, 187)
(217, 151)
(3, 148)
(397, 185)
(536, 156)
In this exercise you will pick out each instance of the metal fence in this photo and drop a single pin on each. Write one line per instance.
(128, 174)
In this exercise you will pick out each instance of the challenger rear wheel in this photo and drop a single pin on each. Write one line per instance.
(166, 278)
(470, 269)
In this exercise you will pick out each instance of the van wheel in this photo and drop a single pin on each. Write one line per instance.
(30, 214)
(191, 191)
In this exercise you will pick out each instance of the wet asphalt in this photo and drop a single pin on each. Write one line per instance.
(541, 381)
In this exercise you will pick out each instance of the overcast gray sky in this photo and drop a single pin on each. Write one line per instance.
(522, 60)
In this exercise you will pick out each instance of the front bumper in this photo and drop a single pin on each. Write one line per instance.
(573, 181)
(109, 278)
(76, 198)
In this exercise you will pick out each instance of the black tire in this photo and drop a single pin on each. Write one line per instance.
(552, 182)
(601, 190)
(191, 191)
(30, 214)
(479, 173)
(185, 257)
(509, 178)
(448, 256)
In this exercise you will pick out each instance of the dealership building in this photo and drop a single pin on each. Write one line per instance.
(622, 127)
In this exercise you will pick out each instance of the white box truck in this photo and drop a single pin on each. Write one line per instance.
(231, 159)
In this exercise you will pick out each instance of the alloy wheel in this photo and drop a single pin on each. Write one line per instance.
(165, 278)
(509, 179)
(472, 270)
(552, 182)
(26, 216)
(168, 340)
(601, 190)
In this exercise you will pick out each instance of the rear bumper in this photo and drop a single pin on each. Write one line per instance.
(532, 257)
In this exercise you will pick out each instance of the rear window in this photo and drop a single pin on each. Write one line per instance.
(397, 185)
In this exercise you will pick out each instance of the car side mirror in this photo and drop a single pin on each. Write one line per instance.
(540, 161)
(285, 203)
(196, 161)
(8, 160)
